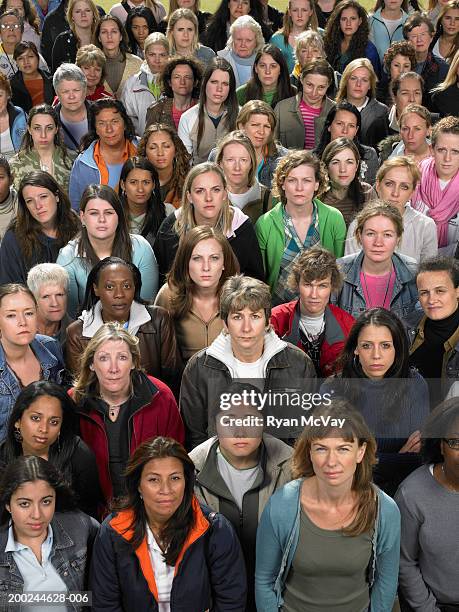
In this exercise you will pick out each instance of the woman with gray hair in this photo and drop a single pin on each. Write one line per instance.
(246, 39)
(70, 85)
(49, 283)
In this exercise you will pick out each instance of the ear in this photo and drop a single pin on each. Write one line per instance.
(95, 289)
(122, 186)
(8, 508)
(361, 452)
(18, 424)
(356, 351)
(91, 367)
(81, 216)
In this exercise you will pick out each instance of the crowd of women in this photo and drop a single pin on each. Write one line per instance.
(203, 218)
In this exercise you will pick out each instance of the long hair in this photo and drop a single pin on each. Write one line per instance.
(94, 110)
(156, 211)
(124, 44)
(30, 469)
(189, 15)
(231, 103)
(147, 14)
(179, 280)
(239, 137)
(362, 62)
(284, 89)
(95, 18)
(27, 229)
(334, 35)
(287, 25)
(60, 453)
(441, 424)
(451, 78)
(122, 245)
(354, 191)
(177, 528)
(326, 136)
(439, 32)
(354, 429)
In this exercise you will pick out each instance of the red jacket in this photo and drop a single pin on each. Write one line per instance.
(157, 416)
(285, 320)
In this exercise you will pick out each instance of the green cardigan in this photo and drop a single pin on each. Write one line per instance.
(271, 237)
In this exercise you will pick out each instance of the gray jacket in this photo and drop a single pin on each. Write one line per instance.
(290, 125)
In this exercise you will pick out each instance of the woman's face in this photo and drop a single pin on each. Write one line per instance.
(344, 125)
(82, 15)
(359, 84)
(300, 185)
(450, 22)
(446, 156)
(138, 186)
(27, 62)
(217, 87)
(5, 184)
(115, 290)
(183, 33)
(268, 71)
(16, 5)
(156, 56)
(182, 80)
(314, 295)
(342, 168)
(414, 132)
(52, 302)
(4, 97)
(100, 219)
(140, 30)
(375, 350)
(300, 12)
(396, 187)
(314, 89)
(379, 239)
(247, 329)
(110, 36)
(18, 320)
(349, 22)
(392, 5)
(237, 8)
(42, 205)
(112, 364)
(308, 53)
(258, 129)
(40, 425)
(335, 460)
(410, 91)
(32, 508)
(162, 487)
(244, 42)
(206, 264)
(110, 127)
(43, 131)
(160, 151)
(93, 74)
(207, 196)
(399, 65)
(236, 165)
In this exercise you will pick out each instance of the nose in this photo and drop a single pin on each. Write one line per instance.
(313, 291)
(114, 367)
(378, 239)
(342, 167)
(119, 291)
(43, 426)
(219, 87)
(21, 319)
(165, 487)
(376, 352)
(208, 196)
(447, 155)
(35, 511)
(331, 458)
(246, 324)
(205, 264)
(237, 163)
(395, 192)
(52, 300)
(345, 129)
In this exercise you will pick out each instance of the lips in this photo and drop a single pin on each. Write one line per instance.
(40, 440)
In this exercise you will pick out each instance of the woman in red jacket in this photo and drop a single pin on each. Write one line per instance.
(119, 406)
(310, 322)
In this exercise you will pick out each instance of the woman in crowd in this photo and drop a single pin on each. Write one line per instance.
(427, 501)
(182, 34)
(358, 87)
(310, 46)
(340, 550)
(141, 198)
(109, 143)
(7, 196)
(347, 37)
(445, 97)
(104, 233)
(299, 17)
(433, 9)
(180, 85)
(42, 148)
(386, 24)
(140, 23)
(301, 119)
(41, 534)
(110, 36)
(205, 202)
(142, 89)
(49, 284)
(395, 184)
(203, 125)
(344, 121)
(42, 423)
(24, 356)
(43, 225)
(119, 406)
(122, 11)
(218, 27)
(236, 157)
(92, 61)
(375, 376)
(310, 322)
(399, 58)
(436, 192)
(377, 276)
(270, 80)
(83, 18)
(298, 222)
(244, 42)
(30, 85)
(168, 156)
(445, 43)
(347, 192)
(13, 120)
(192, 5)
(405, 89)
(172, 554)
(27, 11)
(113, 296)
(415, 124)
(203, 262)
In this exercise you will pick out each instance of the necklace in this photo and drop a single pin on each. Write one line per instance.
(113, 409)
(370, 304)
(449, 486)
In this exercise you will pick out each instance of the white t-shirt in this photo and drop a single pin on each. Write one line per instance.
(391, 25)
(164, 574)
(237, 481)
(312, 326)
(249, 370)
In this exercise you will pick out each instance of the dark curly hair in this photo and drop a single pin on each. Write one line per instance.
(400, 47)
(171, 64)
(96, 108)
(334, 35)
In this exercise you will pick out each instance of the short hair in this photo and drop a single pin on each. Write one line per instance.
(361, 62)
(375, 209)
(5, 164)
(241, 292)
(172, 63)
(23, 46)
(246, 21)
(156, 38)
(14, 13)
(309, 38)
(90, 54)
(400, 161)
(417, 109)
(439, 425)
(189, 15)
(447, 125)
(414, 21)
(291, 161)
(47, 274)
(5, 85)
(396, 83)
(315, 263)
(68, 72)
(318, 66)
(259, 107)
(441, 264)
(400, 47)
(239, 137)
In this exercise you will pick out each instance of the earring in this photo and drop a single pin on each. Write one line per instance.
(17, 434)
(356, 362)
(141, 497)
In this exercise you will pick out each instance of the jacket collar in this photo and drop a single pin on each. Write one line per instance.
(402, 274)
(44, 356)
(92, 319)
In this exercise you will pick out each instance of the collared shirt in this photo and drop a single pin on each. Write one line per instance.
(164, 574)
(36, 576)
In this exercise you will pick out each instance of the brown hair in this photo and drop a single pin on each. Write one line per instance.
(375, 209)
(259, 107)
(241, 292)
(315, 264)
(5, 85)
(318, 66)
(12, 288)
(290, 162)
(401, 47)
(401, 161)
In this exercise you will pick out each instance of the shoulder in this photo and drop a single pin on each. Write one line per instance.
(284, 309)
(408, 262)
(415, 484)
(76, 523)
(139, 243)
(200, 453)
(341, 315)
(162, 390)
(190, 114)
(346, 262)
(285, 500)
(329, 211)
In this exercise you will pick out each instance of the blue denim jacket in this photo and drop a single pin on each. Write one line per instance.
(73, 537)
(49, 353)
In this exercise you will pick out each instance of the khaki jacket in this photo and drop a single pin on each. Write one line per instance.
(290, 126)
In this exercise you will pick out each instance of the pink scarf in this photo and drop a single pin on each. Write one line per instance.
(443, 205)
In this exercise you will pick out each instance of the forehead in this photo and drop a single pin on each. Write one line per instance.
(183, 22)
(343, 115)
(159, 137)
(344, 154)
(235, 148)
(166, 465)
(243, 33)
(220, 75)
(360, 72)
(139, 174)
(33, 190)
(413, 119)
(379, 222)
(266, 58)
(107, 113)
(109, 25)
(349, 12)
(447, 140)
(209, 245)
(379, 332)
(304, 170)
(98, 204)
(419, 29)
(259, 118)
(69, 84)
(17, 300)
(115, 270)
(182, 68)
(42, 118)
(410, 83)
(316, 79)
(398, 174)
(46, 403)
(113, 346)
(50, 288)
(440, 278)
(401, 58)
(9, 19)
(207, 179)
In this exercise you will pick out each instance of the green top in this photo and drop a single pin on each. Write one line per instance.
(25, 162)
(267, 97)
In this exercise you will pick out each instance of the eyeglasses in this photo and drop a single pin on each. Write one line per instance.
(114, 123)
(453, 443)
(9, 26)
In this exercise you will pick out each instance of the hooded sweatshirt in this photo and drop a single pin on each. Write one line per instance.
(139, 92)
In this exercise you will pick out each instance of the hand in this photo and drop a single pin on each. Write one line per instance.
(413, 444)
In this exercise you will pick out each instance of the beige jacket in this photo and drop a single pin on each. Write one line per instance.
(132, 66)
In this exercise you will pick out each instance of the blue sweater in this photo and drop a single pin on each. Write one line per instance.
(277, 539)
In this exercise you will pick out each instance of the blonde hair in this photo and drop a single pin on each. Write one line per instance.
(182, 13)
(94, 11)
(259, 107)
(287, 25)
(451, 78)
(417, 109)
(309, 38)
(173, 6)
(239, 137)
(156, 38)
(378, 208)
(362, 62)
(401, 161)
(246, 21)
(89, 55)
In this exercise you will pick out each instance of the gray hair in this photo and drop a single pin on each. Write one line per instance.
(309, 38)
(47, 274)
(240, 292)
(68, 72)
(156, 38)
(246, 21)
